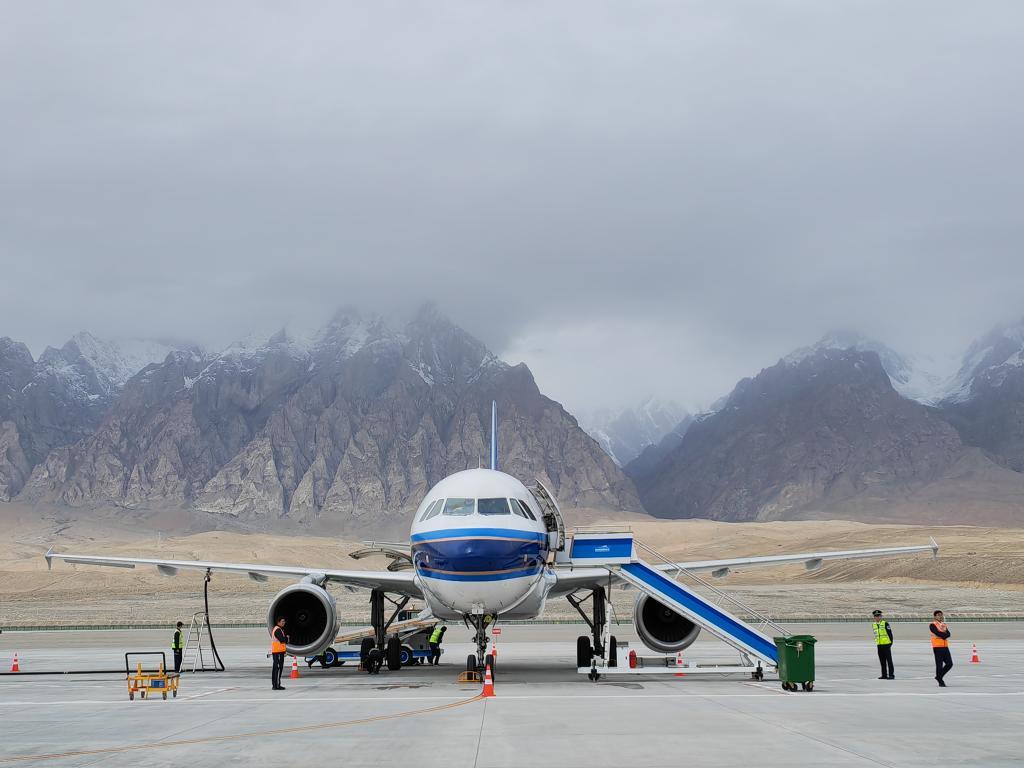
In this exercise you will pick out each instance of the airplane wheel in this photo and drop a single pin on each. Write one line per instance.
(494, 665)
(394, 656)
(613, 652)
(471, 663)
(584, 653)
(364, 649)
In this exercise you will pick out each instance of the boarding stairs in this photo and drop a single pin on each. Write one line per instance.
(713, 610)
(198, 654)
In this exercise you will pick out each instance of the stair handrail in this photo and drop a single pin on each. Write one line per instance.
(764, 619)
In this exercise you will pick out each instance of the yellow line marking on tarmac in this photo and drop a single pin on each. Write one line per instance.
(236, 736)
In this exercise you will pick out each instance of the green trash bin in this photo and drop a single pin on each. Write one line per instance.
(796, 661)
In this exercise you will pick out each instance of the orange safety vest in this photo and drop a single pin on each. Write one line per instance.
(939, 642)
(275, 645)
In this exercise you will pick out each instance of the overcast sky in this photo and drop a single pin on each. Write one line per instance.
(633, 197)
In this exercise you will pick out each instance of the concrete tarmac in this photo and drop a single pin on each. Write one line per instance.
(544, 712)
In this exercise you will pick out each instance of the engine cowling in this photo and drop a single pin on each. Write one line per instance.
(311, 618)
(660, 628)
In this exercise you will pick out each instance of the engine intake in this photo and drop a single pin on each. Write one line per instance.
(662, 629)
(311, 618)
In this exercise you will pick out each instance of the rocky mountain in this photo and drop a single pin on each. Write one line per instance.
(811, 432)
(986, 399)
(641, 467)
(625, 433)
(350, 428)
(914, 378)
(60, 398)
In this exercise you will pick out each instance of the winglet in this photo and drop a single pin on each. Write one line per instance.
(494, 434)
(934, 545)
(49, 559)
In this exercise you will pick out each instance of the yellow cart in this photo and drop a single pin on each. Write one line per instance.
(144, 681)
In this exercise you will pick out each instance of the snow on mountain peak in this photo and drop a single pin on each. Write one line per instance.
(914, 378)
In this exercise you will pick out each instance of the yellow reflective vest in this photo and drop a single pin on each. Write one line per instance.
(435, 636)
(881, 636)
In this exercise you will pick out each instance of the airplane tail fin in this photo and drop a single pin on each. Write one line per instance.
(494, 434)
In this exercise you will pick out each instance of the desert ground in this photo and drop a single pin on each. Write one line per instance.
(980, 571)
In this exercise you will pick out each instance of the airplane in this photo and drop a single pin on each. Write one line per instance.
(483, 547)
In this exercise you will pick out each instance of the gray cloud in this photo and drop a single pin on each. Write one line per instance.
(633, 197)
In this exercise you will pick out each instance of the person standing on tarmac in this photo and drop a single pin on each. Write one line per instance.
(177, 645)
(940, 647)
(436, 637)
(883, 640)
(278, 648)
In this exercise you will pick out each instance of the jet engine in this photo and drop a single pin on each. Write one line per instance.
(662, 629)
(311, 618)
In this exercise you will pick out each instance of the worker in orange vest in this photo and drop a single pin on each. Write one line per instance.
(278, 648)
(940, 647)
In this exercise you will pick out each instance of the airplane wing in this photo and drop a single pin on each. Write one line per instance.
(392, 581)
(572, 579)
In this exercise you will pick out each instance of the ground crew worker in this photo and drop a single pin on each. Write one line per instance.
(278, 648)
(177, 645)
(940, 647)
(883, 640)
(436, 637)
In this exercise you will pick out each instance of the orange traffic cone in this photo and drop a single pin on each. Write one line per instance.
(679, 664)
(974, 654)
(295, 669)
(488, 690)
(14, 664)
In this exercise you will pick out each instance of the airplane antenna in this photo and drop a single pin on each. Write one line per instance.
(494, 434)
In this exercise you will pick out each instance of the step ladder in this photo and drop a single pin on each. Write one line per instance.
(198, 655)
(679, 589)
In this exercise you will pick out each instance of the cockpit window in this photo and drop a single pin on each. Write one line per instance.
(459, 507)
(516, 509)
(432, 510)
(527, 512)
(492, 506)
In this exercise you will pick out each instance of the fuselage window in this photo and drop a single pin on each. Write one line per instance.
(492, 506)
(459, 507)
(526, 508)
(432, 510)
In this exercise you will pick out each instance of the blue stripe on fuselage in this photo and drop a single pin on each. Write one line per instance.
(502, 576)
(478, 533)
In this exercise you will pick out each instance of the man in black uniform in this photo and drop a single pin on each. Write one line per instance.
(883, 640)
(940, 647)
(278, 648)
(177, 645)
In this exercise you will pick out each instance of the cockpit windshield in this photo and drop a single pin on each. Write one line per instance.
(492, 507)
(459, 507)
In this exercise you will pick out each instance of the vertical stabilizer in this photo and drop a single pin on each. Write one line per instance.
(494, 434)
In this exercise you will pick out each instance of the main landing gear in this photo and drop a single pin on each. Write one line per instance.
(379, 650)
(600, 644)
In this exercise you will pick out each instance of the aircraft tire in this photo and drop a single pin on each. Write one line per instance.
(394, 657)
(613, 652)
(493, 662)
(471, 663)
(584, 652)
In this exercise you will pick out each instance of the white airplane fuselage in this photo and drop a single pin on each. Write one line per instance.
(479, 545)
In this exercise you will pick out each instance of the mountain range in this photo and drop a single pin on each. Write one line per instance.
(348, 427)
(849, 428)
